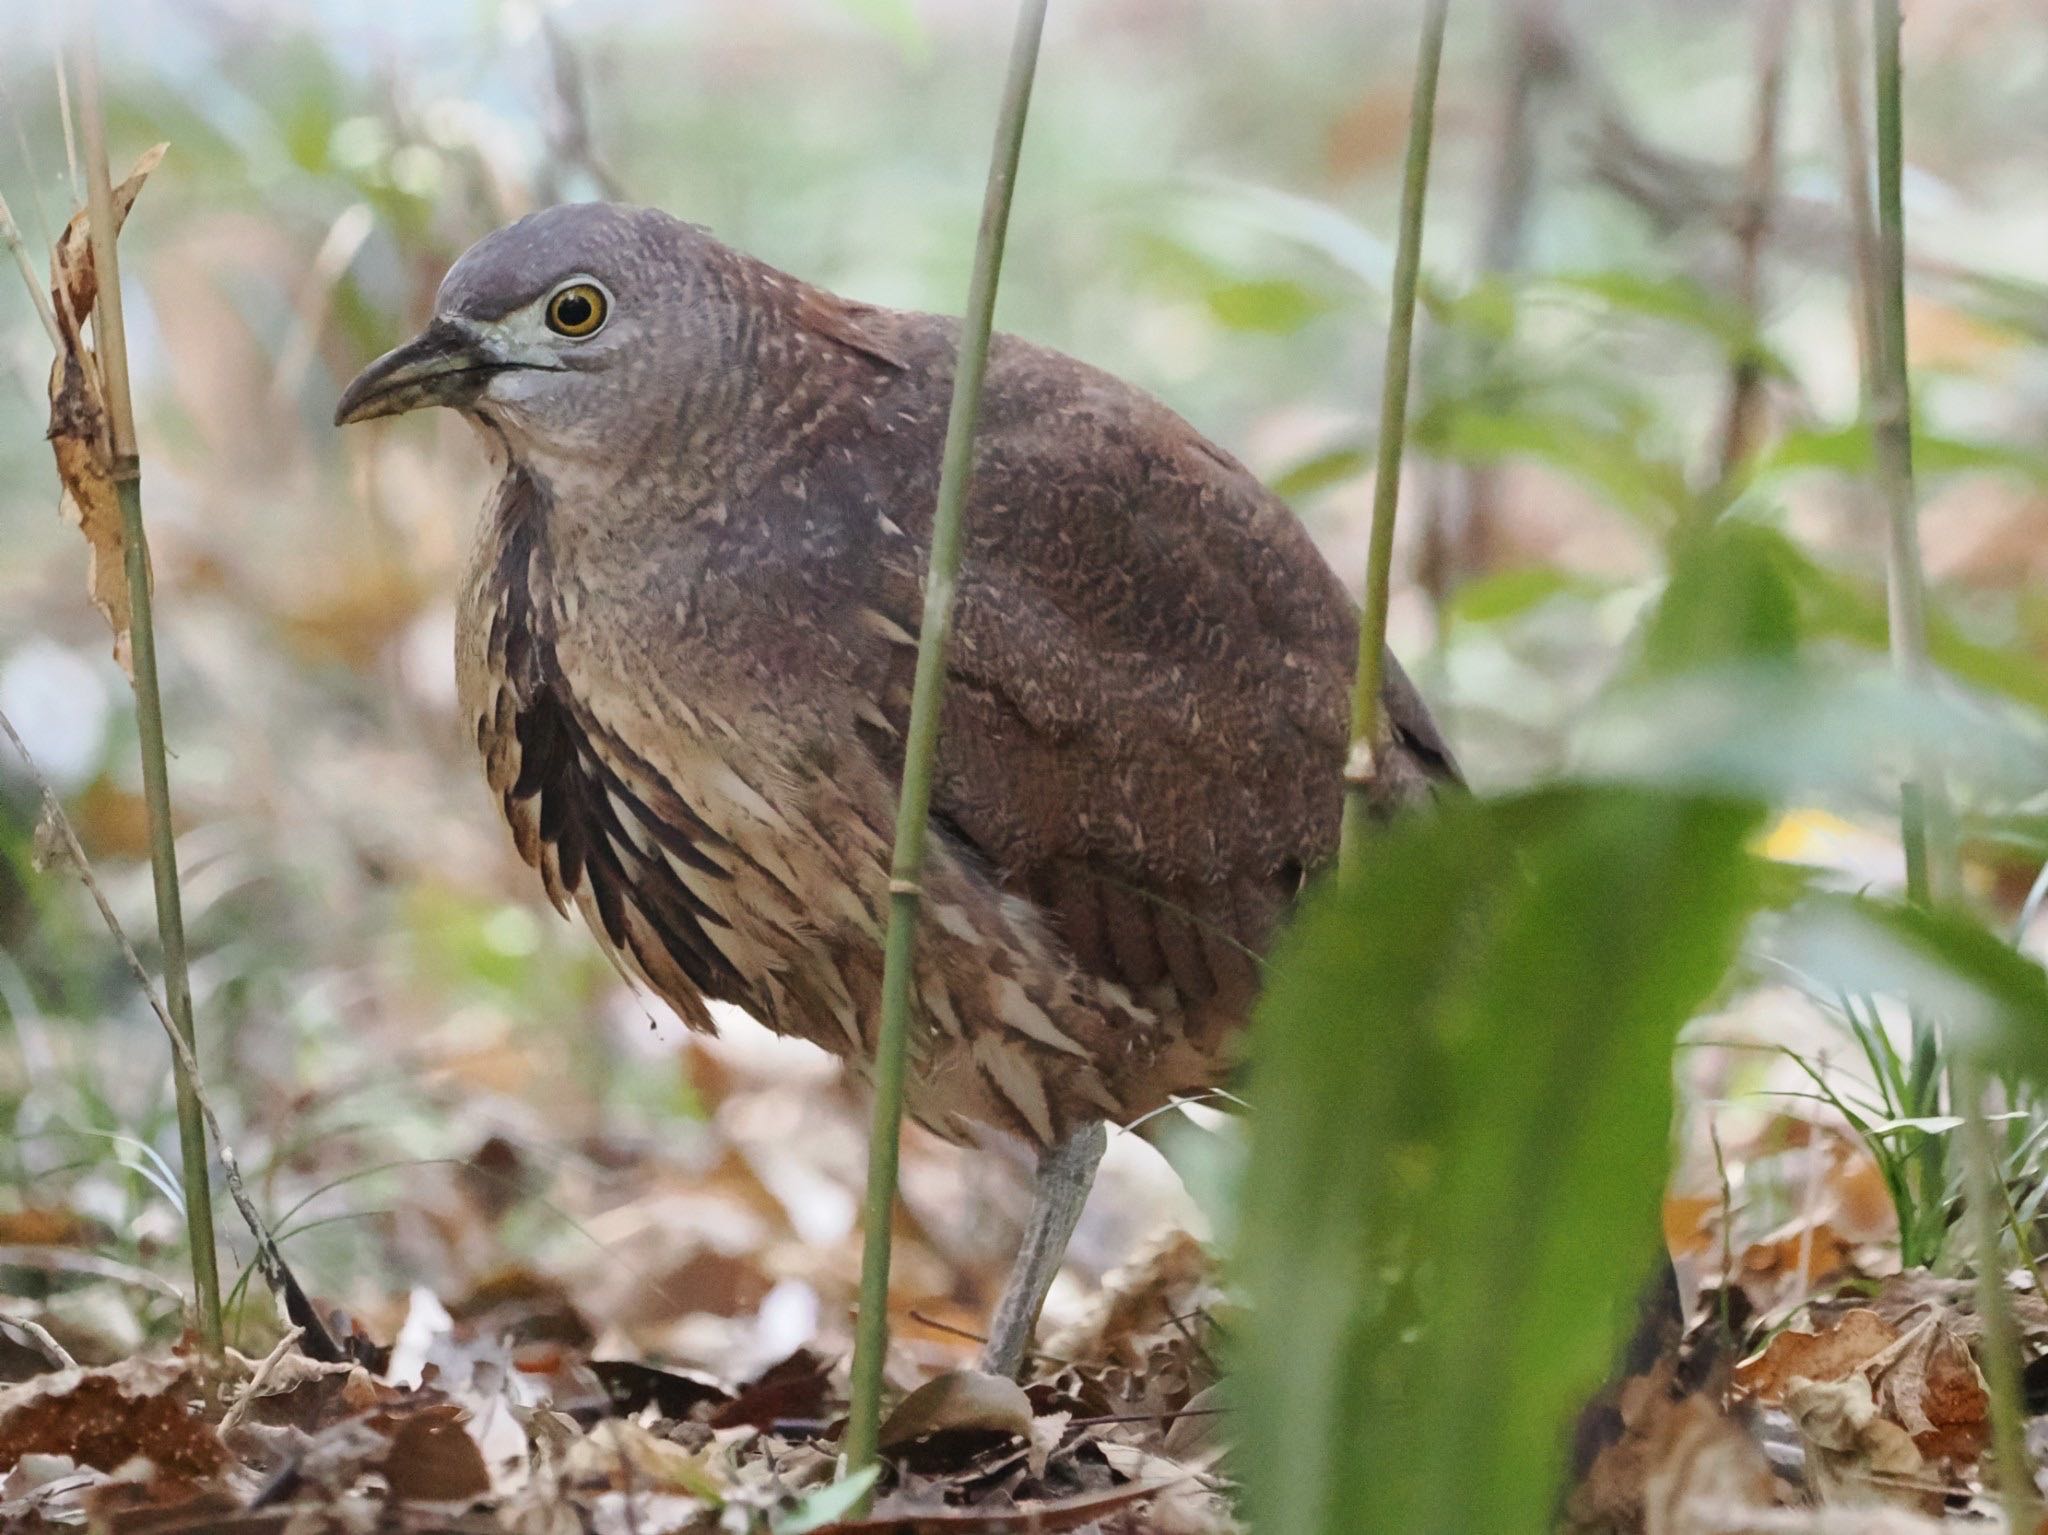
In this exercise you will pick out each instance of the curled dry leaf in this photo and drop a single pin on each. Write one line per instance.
(1149, 1300)
(80, 436)
(1828, 1354)
(1930, 1385)
(622, 1455)
(1922, 1378)
(1854, 1453)
(959, 1399)
(74, 285)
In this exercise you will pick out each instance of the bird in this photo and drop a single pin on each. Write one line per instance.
(686, 639)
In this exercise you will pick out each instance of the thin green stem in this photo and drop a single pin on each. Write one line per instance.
(913, 808)
(1984, 1199)
(1361, 766)
(1925, 826)
(111, 348)
(1924, 821)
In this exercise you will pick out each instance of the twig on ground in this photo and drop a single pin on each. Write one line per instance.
(258, 1379)
(39, 1336)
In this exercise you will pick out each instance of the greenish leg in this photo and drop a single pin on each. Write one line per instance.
(1065, 1174)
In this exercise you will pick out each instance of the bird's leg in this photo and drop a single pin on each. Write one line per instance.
(1058, 1192)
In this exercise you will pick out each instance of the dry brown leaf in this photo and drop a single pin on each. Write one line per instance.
(1691, 1223)
(106, 1418)
(1931, 1386)
(622, 1455)
(959, 1399)
(1829, 1354)
(1854, 1454)
(89, 500)
(79, 434)
(433, 1458)
(74, 286)
(796, 1388)
(1150, 1298)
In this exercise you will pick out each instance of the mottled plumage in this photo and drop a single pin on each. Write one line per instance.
(687, 640)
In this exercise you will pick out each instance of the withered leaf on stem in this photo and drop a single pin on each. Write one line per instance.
(79, 434)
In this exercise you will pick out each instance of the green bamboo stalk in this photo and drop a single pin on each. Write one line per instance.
(1360, 766)
(1928, 866)
(111, 349)
(913, 808)
(1926, 830)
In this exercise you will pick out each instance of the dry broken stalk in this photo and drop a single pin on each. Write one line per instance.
(103, 465)
(10, 236)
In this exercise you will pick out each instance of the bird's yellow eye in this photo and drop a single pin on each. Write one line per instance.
(577, 311)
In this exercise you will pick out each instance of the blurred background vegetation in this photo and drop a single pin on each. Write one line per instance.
(1638, 236)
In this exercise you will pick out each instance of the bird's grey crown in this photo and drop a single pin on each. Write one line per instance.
(620, 245)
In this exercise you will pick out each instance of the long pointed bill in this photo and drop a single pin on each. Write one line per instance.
(445, 364)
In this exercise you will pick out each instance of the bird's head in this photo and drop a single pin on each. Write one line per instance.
(563, 331)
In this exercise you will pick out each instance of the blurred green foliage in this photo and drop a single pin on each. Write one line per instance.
(1462, 1091)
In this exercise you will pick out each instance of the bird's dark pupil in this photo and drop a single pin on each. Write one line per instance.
(573, 310)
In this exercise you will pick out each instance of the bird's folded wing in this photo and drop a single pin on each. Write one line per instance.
(1146, 709)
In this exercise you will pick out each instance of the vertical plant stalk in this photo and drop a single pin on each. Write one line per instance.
(913, 808)
(1361, 762)
(1928, 1167)
(1924, 824)
(1846, 38)
(110, 347)
(1752, 235)
(1925, 827)
(1463, 504)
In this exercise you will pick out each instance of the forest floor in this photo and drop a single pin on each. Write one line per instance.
(677, 1361)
